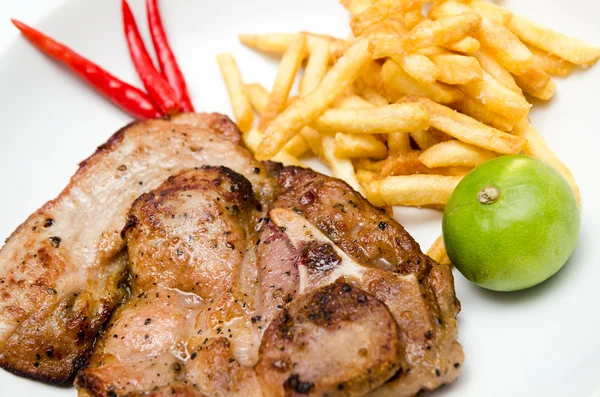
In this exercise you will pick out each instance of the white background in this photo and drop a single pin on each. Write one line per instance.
(28, 11)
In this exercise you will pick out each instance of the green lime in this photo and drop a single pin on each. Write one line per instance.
(512, 223)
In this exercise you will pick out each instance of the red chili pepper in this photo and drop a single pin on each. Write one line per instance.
(166, 60)
(159, 90)
(122, 94)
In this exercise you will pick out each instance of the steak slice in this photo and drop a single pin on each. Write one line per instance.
(316, 219)
(61, 271)
(186, 242)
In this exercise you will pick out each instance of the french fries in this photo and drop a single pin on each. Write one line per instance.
(399, 142)
(455, 154)
(497, 98)
(467, 45)
(438, 253)
(536, 83)
(379, 11)
(400, 83)
(535, 146)
(497, 38)
(252, 139)
(457, 69)
(568, 48)
(497, 71)
(412, 190)
(411, 102)
(492, 11)
(355, 7)
(259, 97)
(316, 68)
(355, 147)
(239, 102)
(308, 108)
(425, 139)
(290, 63)
(481, 113)
(469, 130)
(428, 33)
(341, 168)
(418, 66)
(551, 64)
(405, 117)
(277, 43)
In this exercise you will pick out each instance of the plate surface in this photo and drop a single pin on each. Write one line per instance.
(541, 342)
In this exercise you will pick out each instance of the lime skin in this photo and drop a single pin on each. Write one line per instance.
(511, 223)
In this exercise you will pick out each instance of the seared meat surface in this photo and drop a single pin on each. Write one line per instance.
(318, 221)
(197, 271)
(61, 272)
(186, 242)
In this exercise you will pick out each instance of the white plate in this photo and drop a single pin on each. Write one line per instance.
(541, 342)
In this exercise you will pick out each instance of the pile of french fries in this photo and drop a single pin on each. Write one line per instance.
(412, 101)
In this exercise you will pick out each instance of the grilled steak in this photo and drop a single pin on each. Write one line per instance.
(251, 280)
(189, 307)
(61, 272)
(331, 232)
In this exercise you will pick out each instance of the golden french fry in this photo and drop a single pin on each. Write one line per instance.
(418, 66)
(551, 64)
(401, 164)
(457, 69)
(258, 97)
(252, 139)
(352, 102)
(357, 146)
(353, 145)
(413, 17)
(408, 164)
(535, 146)
(355, 7)
(479, 112)
(369, 165)
(497, 98)
(364, 176)
(467, 45)
(469, 130)
(412, 190)
(399, 142)
(503, 45)
(316, 67)
(288, 68)
(370, 94)
(536, 83)
(438, 253)
(392, 118)
(313, 140)
(425, 139)
(273, 43)
(398, 81)
(370, 75)
(426, 34)
(455, 154)
(308, 108)
(497, 71)
(341, 168)
(380, 11)
(239, 102)
(508, 50)
(277, 43)
(571, 49)
(492, 11)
